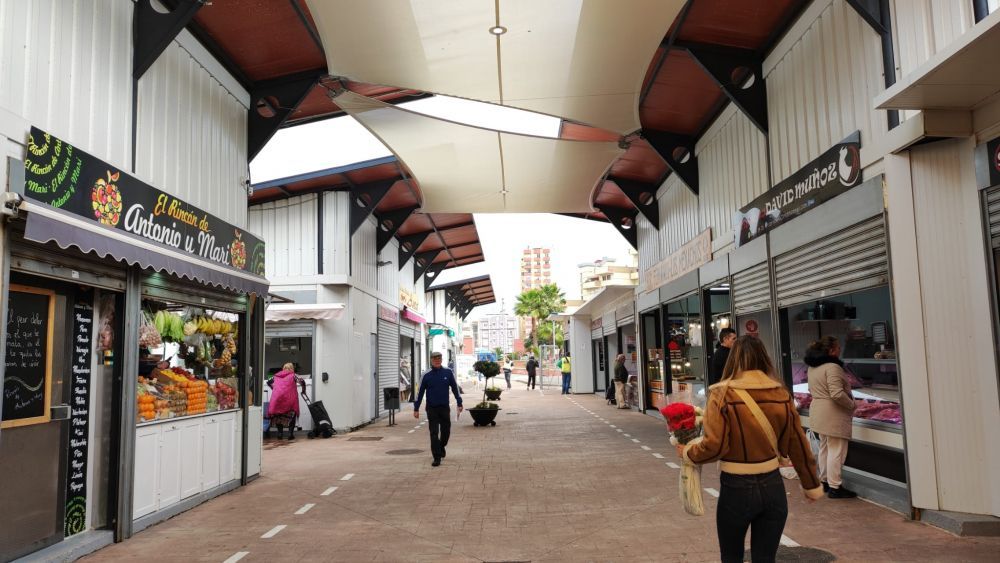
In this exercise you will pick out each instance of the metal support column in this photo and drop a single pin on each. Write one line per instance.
(127, 367)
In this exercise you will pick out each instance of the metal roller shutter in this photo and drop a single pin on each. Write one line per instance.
(626, 320)
(852, 259)
(67, 266)
(993, 215)
(751, 290)
(597, 333)
(388, 358)
(290, 329)
(408, 329)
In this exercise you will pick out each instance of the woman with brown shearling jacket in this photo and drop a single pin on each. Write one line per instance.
(753, 492)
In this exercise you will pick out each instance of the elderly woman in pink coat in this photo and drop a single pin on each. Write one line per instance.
(283, 409)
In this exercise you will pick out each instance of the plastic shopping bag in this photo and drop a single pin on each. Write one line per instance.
(689, 486)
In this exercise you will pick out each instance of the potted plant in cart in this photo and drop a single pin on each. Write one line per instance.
(485, 412)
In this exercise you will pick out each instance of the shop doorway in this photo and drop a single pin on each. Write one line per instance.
(658, 383)
(407, 372)
(718, 306)
(611, 345)
(599, 359)
(685, 349)
(57, 416)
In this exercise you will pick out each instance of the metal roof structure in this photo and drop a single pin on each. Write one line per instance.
(710, 56)
(469, 293)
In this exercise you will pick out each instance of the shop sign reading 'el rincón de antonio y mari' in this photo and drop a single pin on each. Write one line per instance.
(60, 175)
(831, 174)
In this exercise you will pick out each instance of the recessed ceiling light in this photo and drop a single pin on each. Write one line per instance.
(498, 30)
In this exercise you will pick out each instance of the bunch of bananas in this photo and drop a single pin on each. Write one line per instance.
(212, 327)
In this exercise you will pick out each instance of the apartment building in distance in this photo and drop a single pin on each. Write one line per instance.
(607, 272)
(498, 330)
(536, 268)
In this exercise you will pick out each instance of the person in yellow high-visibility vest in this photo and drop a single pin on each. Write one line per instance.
(564, 365)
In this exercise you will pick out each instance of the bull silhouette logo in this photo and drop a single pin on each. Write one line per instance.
(849, 165)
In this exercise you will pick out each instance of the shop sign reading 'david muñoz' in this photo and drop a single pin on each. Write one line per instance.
(62, 176)
(833, 173)
(696, 253)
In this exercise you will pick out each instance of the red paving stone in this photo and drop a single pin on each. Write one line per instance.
(551, 482)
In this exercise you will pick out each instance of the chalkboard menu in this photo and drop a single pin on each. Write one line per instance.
(76, 482)
(27, 380)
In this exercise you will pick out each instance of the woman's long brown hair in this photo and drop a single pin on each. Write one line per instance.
(748, 354)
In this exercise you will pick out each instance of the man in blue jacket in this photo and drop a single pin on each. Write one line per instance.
(436, 383)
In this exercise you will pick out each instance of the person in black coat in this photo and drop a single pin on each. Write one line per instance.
(727, 337)
(532, 368)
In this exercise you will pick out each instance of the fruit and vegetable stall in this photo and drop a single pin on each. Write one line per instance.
(188, 362)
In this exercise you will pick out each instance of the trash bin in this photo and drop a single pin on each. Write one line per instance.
(390, 396)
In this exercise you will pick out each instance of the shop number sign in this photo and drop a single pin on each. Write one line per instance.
(60, 175)
(752, 328)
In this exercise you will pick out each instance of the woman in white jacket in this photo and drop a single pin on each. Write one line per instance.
(830, 413)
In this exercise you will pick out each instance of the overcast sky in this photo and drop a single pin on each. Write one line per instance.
(506, 235)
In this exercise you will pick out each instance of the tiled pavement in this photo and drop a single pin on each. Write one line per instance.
(558, 479)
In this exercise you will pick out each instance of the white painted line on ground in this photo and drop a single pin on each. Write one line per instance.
(619, 430)
(712, 492)
(673, 465)
(417, 426)
(347, 477)
(412, 431)
(236, 556)
(647, 448)
(327, 492)
(628, 435)
(305, 508)
(274, 531)
(788, 542)
(613, 426)
(658, 456)
(636, 440)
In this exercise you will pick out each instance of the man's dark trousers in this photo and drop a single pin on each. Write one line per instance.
(531, 381)
(439, 421)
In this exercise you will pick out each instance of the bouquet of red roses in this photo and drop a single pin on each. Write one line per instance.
(684, 423)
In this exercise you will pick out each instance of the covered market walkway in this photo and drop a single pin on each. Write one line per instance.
(558, 479)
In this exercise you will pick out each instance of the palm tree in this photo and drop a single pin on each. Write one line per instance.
(538, 304)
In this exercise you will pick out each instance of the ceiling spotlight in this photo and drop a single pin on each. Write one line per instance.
(498, 30)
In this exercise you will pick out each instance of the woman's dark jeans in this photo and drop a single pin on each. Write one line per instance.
(757, 502)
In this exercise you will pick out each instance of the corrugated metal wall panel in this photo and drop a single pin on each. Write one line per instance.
(337, 233)
(821, 89)
(67, 68)
(191, 139)
(288, 229)
(678, 216)
(388, 359)
(751, 290)
(649, 244)
(924, 27)
(732, 170)
(363, 270)
(388, 275)
(961, 369)
(853, 259)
